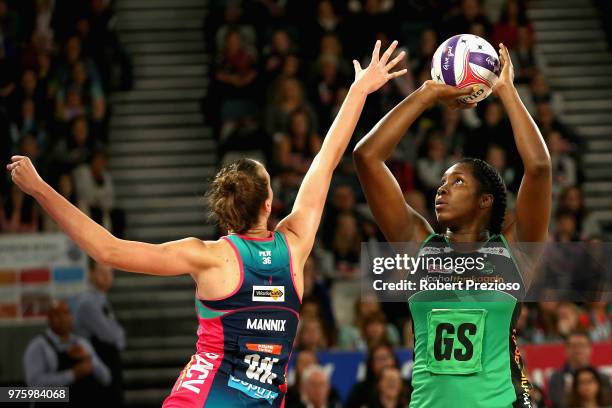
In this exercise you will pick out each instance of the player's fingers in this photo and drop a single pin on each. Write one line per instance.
(395, 61)
(397, 73)
(506, 54)
(357, 66)
(388, 53)
(375, 53)
(12, 166)
(463, 91)
(17, 158)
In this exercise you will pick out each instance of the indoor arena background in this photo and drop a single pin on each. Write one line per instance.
(128, 107)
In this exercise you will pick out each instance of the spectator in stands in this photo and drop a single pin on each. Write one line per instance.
(97, 31)
(331, 44)
(454, 130)
(95, 188)
(28, 90)
(524, 57)
(578, 351)
(58, 357)
(287, 96)
(293, 399)
(326, 22)
(541, 93)
(390, 390)
(20, 213)
(494, 129)
(235, 17)
(40, 23)
(358, 336)
(564, 168)
(374, 14)
(423, 55)
(328, 80)
(71, 152)
(9, 21)
(588, 390)
(346, 244)
(300, 144)
(431, 168)
(513, 16)
(276, 52)
(64, 186)
(8, 72)
(236, 73)
(342, 200)
(315, 389)
(547, 122)
(303, 360)
(315, 287)
(73, 53)
(311, 336)
(597, 321)
(470, 13)
(496, 157)
(571, 198)
(81, 96)
(312, 309)
(95, 321)
(379, 358)
(568, 318)
(563, 262)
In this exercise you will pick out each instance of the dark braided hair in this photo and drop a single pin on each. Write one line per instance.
(490, 183)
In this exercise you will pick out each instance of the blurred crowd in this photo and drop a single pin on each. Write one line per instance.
(57, 62)
(281, 72)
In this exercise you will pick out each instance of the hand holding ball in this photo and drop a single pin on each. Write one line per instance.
(467, 60)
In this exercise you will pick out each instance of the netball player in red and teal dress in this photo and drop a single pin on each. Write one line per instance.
(248, 283)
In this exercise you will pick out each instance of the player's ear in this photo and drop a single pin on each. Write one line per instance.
(486, 201)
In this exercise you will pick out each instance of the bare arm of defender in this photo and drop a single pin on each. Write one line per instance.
(303, 222)
(186, 256)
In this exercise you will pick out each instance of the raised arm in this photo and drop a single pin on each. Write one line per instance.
(534, 199)
(187, 256)
(302, 224)
(397, 220)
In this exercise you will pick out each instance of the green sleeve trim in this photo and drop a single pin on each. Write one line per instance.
(429, 237)
(206, 313)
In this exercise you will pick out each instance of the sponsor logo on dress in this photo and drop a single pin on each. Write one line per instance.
(197, 371)
(267, 293)
(265, 348)
(252, 390)
(266, 324)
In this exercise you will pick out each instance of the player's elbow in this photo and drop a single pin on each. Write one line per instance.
(108, 252)
(361, 155)
(539, 168)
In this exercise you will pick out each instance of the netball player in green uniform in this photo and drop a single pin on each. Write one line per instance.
(465, 351)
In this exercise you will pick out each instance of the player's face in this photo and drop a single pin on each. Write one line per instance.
(457, 199)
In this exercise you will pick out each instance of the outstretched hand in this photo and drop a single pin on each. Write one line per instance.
(377, 73)
(24, 174)
(506, 77)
